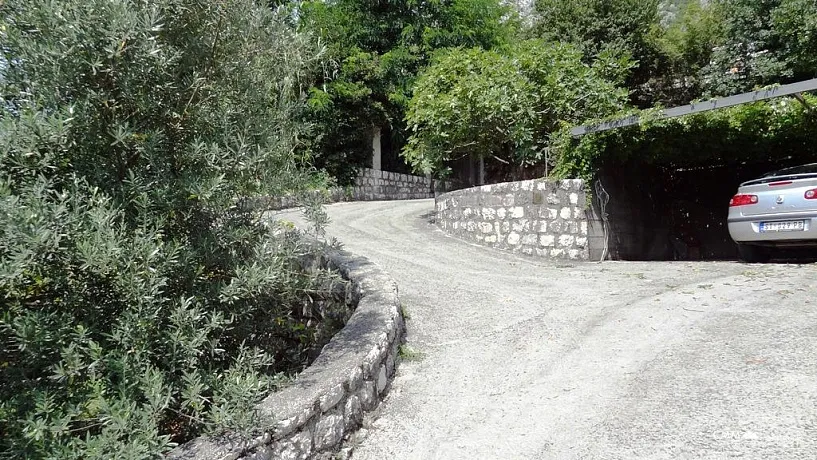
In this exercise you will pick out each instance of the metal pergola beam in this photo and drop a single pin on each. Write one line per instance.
(703, 106)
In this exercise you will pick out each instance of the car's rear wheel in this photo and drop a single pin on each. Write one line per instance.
(754, 254)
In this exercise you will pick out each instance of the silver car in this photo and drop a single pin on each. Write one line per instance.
(779, 210)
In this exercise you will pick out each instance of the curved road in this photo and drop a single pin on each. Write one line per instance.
(518, 358)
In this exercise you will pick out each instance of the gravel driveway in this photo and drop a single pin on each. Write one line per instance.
(514, 357)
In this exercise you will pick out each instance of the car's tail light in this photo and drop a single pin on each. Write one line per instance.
(811, 194)
(742, 200)
(778, 184)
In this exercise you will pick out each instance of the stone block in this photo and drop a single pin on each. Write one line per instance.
(541, 185)
(547, 241)
(382, 380)
(508, 200)
(298, 447)
(517, 212)
(565, 213)
(328, 432)
(529, 239)
(553, 213)
(573, 254)
(542, 226)
(557, 253)
(513, 239)
(506, 227)
(500, 213)
(553, 199)
(566, 241)
(486, 227)
(332, 397)
(490, 239)
(583, 228)
(353, 412)
(367, 395)
(488, 213)
(581, 241)
(574, 198)
(556, 226)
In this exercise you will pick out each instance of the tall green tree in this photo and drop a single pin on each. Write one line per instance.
(375, 52)
(626, 27)
(764, 42)
(502, 105)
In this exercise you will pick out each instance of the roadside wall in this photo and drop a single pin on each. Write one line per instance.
(371, 185)
(549, 219)
(326, 402)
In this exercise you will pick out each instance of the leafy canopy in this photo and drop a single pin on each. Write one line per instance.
(504, 104)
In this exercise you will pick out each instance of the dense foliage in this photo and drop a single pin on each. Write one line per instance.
(142, 302)
(503, 104)
(375, 51)
(779, 132)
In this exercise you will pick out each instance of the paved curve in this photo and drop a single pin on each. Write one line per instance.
(527, 359)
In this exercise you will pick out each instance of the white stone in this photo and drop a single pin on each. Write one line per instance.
(557, 253)
(564, 213)
(490, 239)
(298, 447)
(577, 213)
(573, 254)
(353, 412)
(331, 398)
(529, 239)
(506, 227)
(566, 241)
(553, 213)
(328, 431)
(547, 240)
(565, 184)
(542, 185)
(583, 228)
(500, 213)
(381, 379)
(368, 398)
(543, 227)
(513, 239)
(581, 241)
(574, 198)
(467, 212)
(517, 212)
(553, 199)
(508, 200)
(488, 213)
(486, 227)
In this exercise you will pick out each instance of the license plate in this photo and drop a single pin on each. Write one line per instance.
(783, 226)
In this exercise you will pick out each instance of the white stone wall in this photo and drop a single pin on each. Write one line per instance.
(535, 217)
(373, 184)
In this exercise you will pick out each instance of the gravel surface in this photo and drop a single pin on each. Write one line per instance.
(514, 357)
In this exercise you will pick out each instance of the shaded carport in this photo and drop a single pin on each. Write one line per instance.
(677, 211)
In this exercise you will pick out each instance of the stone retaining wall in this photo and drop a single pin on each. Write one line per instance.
(550, 219)
(371, 185)
(309, 418)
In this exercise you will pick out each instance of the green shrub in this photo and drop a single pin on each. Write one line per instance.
(142, 302)
(778, 131)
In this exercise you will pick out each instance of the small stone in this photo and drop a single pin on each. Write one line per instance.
(298, 447)
(581, 241)
(381, 379)
(566, 241)
(543, 227)
(750, 436)
(553, 199)
(508, 200)
(500, 213)
(367, 396)
(355, 378)
(529, 239)
(331, 398)
(557, 253)
(513, 239)
(506, 227)
(353, 412)
(547, 240)
(517, 212)
(490, 239)
(486, 227)
(573, 254)
(574, 198)
(542, 185)
(565, 213)
(328, 432)
(553, 213)
(488, 213)
(583, 228)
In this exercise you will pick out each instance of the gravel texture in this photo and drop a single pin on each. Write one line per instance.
(522, 358)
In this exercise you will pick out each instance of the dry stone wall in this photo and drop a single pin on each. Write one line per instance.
(371, 185)
(310, 418)
(538, 217)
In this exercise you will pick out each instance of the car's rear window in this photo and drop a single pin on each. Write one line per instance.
(802, 169)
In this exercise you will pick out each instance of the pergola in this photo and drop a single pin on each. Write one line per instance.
(705, 106)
